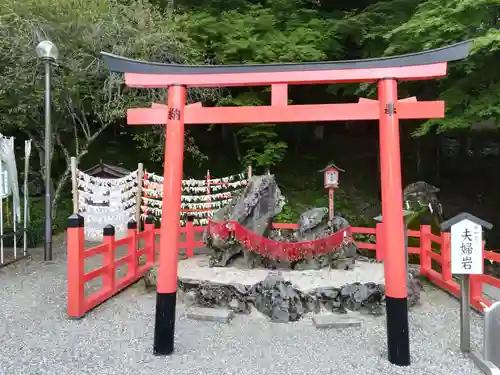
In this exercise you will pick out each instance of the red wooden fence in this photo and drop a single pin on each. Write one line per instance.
(144, 245)
(440, 276)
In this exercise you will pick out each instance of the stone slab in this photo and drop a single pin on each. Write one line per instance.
(197, 268)
(486, 367)
(336, 321)
(490, 292)
(210, 315)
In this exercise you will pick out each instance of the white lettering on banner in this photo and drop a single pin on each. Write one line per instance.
(466, 248)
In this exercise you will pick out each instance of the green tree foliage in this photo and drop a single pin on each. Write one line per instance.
(251, 32)
(87, 99)
(472, 87)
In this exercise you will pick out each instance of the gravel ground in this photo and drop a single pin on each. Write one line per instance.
(116, 338)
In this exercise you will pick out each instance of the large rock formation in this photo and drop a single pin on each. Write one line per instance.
(254, 208)
(282, 302)
(315, 224)
(421, 194)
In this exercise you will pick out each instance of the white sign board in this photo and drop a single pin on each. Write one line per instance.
(466, 248)
(331, 178)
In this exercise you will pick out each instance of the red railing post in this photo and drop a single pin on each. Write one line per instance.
(348, 234)
(476, 288)
(189, 239)
(476, 283)
(379, 242)
(425, 248)
(446, 254)
(150, 240)
(132, 247)
(76, 249)
(108, 282)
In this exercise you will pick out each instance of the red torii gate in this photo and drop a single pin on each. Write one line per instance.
(387, 109)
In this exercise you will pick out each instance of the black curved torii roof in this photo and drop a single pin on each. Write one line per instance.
(457, 51)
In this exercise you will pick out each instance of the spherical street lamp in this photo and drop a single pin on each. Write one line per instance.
(47, 50)
(48, 53)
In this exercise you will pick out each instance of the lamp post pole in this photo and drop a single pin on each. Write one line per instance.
(47, 248)
(47, 51)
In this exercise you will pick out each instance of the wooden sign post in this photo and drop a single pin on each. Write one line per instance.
(466, 259)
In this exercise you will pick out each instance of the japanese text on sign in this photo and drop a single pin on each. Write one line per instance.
(331, 178)
(466, 248)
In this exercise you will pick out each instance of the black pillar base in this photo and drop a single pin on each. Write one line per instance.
(398, 338)
(164, 323)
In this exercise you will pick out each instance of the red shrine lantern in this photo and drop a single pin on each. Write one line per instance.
(331, 176)
(331, 181)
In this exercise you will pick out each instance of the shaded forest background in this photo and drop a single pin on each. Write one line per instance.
(459, 154)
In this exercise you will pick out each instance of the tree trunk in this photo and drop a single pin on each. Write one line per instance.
(438, 159)
(319, 132)
(236, 146)
(41, 156)
(418, 158)
(60, 186)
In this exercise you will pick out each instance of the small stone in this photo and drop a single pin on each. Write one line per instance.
(344, 264)
(190, 298)
(327, 293)
(210, 315)
(150, 277)
(234, 304)
(335, 321)
(240, 288)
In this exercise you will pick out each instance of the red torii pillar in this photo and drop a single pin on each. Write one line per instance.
(395, 263)
(166, 296)
(387, 109)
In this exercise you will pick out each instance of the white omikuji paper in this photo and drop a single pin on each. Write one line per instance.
(106, 201)
(466, 248)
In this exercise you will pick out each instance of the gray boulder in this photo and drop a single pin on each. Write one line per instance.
(421, 194)
(282, 302)
(254, 208)
(314, 225)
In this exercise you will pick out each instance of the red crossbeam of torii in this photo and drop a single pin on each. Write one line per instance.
(388, 109)
(280, 112)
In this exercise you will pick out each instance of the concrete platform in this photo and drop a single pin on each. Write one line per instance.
(336, 321)
(210, 315)
(197, 268)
